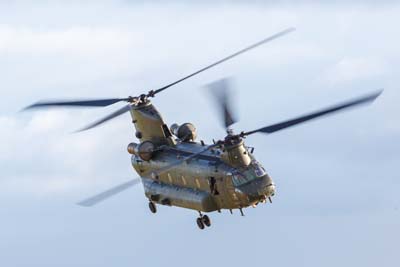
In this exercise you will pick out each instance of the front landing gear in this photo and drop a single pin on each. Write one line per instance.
(152, 207)
(203, 221)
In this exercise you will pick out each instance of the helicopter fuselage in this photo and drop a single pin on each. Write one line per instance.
(205, 183)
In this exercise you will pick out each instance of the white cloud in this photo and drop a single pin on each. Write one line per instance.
(78, 41)
(349, 70)
(39, 156)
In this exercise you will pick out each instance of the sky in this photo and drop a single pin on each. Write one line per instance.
(337, 201)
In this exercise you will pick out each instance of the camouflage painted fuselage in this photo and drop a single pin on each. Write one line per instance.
(207, 183)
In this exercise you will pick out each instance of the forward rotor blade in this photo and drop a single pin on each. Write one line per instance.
(107, 118)
(289, 123)
(179, 162)
(221, 92)
(77, 103)
(109, 193)
(277, 35)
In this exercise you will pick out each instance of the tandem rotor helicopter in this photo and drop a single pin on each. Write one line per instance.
(175, 170)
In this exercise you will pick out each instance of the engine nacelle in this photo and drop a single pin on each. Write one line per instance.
(132, 148)
(185, 132)
(143, 150)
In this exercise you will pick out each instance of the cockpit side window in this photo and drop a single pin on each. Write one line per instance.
(239, 179)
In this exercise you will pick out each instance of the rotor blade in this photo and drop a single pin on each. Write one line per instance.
(277, 35)
(283, 125)
(107, 118)
(179, 162)
(77, 103)
(109, 193)
(221, 92)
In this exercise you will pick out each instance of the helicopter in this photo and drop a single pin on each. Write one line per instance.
(177, 170)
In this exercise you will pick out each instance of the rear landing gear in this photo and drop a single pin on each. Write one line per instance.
(200, 223)
(206, 220)
(152, 207)
(203, 221)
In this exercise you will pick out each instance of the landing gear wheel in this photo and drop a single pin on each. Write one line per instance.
(152, 207)
(206, 220)
(200, 223)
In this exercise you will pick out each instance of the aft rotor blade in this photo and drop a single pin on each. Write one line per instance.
(221, 92)
(107, 118)
(109, 193)
(179, 162)
(76, 103)
(289, 123)
(266, 40)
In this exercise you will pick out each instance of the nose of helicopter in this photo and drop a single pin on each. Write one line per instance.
(266, 187)
(261, 187)
(269, 190)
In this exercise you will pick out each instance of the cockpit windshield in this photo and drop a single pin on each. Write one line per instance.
(250, 173)
(258, 169)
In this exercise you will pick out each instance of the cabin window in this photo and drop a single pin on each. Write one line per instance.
(234, 196)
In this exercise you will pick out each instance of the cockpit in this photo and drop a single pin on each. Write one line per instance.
(248, 174)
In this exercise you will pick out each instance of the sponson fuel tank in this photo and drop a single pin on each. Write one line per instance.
(172, 195)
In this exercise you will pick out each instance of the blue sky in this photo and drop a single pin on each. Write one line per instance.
(337, 179)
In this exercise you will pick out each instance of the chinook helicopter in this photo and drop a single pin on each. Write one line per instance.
(176, 170)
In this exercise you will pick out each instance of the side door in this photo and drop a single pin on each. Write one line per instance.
(224, 192)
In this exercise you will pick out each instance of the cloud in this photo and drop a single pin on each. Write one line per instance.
(349, 70)
(41, 157)
(118, 50)
(78, 41)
